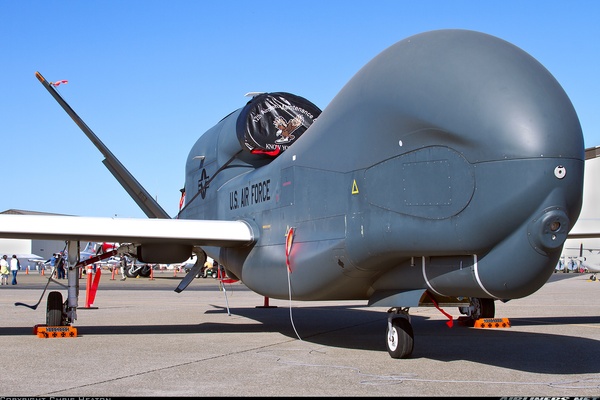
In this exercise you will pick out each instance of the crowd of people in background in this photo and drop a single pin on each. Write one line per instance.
(12, 266)
(9, 267)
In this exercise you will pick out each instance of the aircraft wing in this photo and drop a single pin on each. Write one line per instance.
(137, 192)
(127, 230)
(585, 229)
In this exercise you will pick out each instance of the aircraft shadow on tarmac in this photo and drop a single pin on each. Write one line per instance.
(354, 328)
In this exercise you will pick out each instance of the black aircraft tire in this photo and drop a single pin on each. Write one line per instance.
(483, 308)
(54, 309)
(400, 342)
(145, 271)
(130, 274)
(488, 308)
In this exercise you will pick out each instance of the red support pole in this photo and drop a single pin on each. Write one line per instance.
(91, 287)
(94, 286)
(266, 304)
(88, 287)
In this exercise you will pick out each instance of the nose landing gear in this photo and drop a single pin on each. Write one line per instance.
(400, 338)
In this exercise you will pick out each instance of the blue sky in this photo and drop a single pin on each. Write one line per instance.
(149, 77)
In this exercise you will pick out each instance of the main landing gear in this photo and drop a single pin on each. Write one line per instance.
(55, 311)
(59, 313)
(479, 308)
(400, 338)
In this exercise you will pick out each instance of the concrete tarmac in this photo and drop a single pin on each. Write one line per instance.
(140, 338)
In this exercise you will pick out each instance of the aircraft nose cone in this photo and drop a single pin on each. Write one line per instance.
(478, 94)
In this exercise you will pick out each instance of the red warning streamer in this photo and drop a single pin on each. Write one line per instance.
(182, 200)
(59, 82)
(450, 323)
(288, 247)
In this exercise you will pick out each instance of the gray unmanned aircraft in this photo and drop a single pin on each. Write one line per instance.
(448, 155)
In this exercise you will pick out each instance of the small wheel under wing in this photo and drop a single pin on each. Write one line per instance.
(145, 271)
(132, 271)
(400, 338)
(483, 308)
(479, 308)
(54, 309)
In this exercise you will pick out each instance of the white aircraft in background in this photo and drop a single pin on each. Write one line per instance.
(591, 263)
(581, 252)
(588, 260)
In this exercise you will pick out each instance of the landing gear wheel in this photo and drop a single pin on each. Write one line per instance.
(593, 278)
(478, 308)
(488, 308)
(400, 339)
(145, 271)
(132, 271)
(54, 309)
(481, 308)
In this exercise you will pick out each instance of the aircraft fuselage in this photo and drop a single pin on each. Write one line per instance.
(443, 160)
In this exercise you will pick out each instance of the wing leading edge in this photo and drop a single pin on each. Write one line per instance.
(131, 230)
(585, 229)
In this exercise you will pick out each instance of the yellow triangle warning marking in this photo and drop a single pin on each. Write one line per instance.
(354, 187)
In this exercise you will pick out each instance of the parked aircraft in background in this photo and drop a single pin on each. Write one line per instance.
(133, 267)
(447, 156)
(581, 252)
(591, 263)
(587, 261)
(91, 249)
(567, 264)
